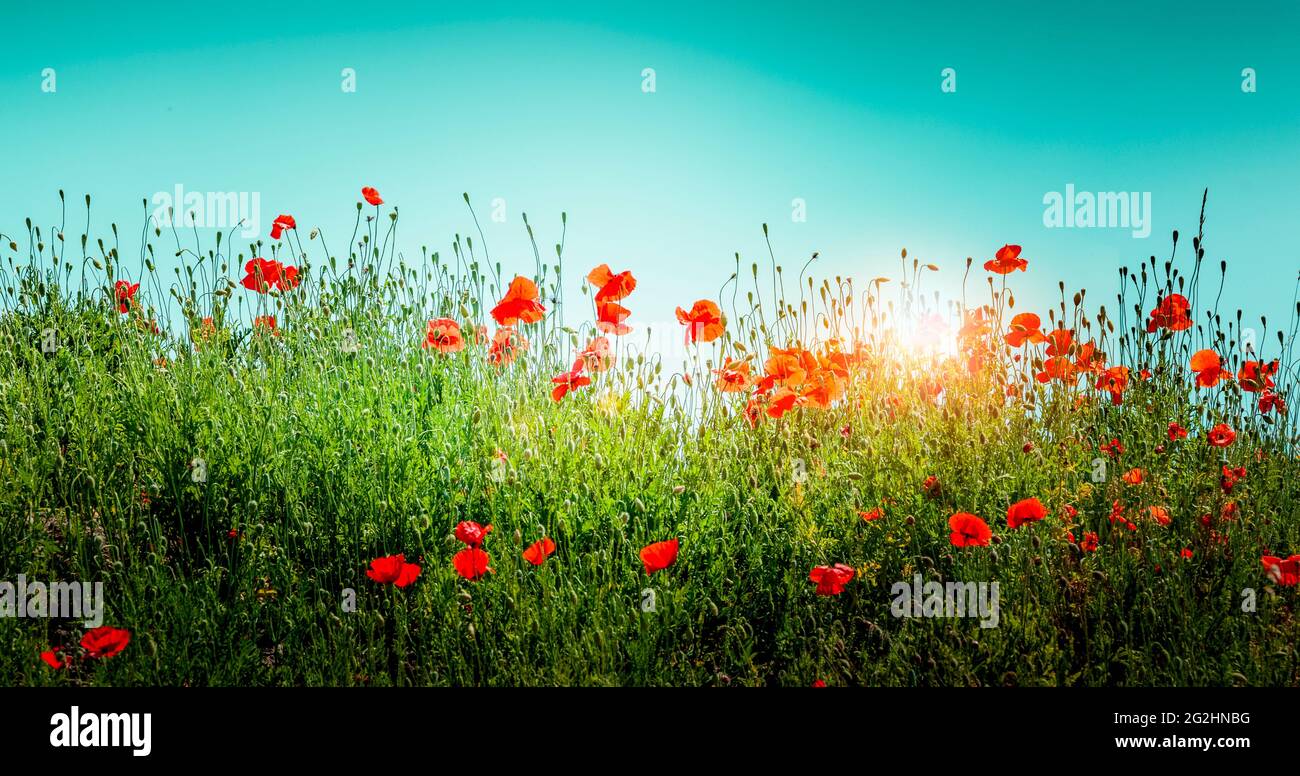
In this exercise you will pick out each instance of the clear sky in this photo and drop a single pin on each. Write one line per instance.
(755, 105)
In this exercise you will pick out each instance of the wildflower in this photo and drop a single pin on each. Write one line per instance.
(1160, 515)
(597, 355)
(874, 514)
(1134, 476)
(281, 223)
(263, 275)
(611, 287)
(471, 533)
(105, 641)
(443, 335)
(506, 345)
(1282, 572)
(1025, 328)
(1221, 435)
(51, 659)
(1257, 377)
(393, 570)
(125, 293)
(1208, 367)
(610, 317)
(1006, 261)
(539, 551)
(733, 376)
(519, 304)
(830, 580)
(969, 531)
(1171, 314)
(1090, 542)
(1231, 477)
(570, 380)
(471, 563)
(1113, 448)
(1269, 401)
(371, 195)
(1176, 432)
(1025, 511)
(1114, 381)
(266, 323)
(659, 556)
(704, 323)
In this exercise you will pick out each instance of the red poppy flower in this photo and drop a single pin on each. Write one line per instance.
(1271, 401)
(1208, 367)
(443, 335)
(1282, 572)
(1006, 261)
(1256, 376)
(519, 304)
(610, 317)
(1221, 435)
(1113, 448)
(1173, 314)
(1231, 476)
(1187, 552)
(1090, 542)
(733, 376)
(1160, 515)
(471, 533)
(125, 292)
(819, 683)
(105, 641)
(597, 355)
(1114, 381)
(471, 563)
(1025, 511)
(704, 323)
(831, 580)
(1025, 327)
(52, 659)
(263, 275)
(782, 402)
(371, 195)
(393, 570)
(267, 323)
(659, 556)
(1176, 432)
(969, 531)
(570, 380)
(1134, 476)
(281, 223)
(539, 551)
(506, 345)
(874, 514)
(611, 287)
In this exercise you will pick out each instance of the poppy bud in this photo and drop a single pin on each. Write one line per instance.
(910, 520)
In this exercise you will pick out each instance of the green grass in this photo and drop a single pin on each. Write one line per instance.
(323, 459)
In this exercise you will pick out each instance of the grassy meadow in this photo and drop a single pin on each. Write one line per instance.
(231, 479)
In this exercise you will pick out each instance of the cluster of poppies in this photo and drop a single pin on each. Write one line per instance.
(472, 562)
(98, 643)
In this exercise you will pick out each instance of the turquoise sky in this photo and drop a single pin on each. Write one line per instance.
(756, 104)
